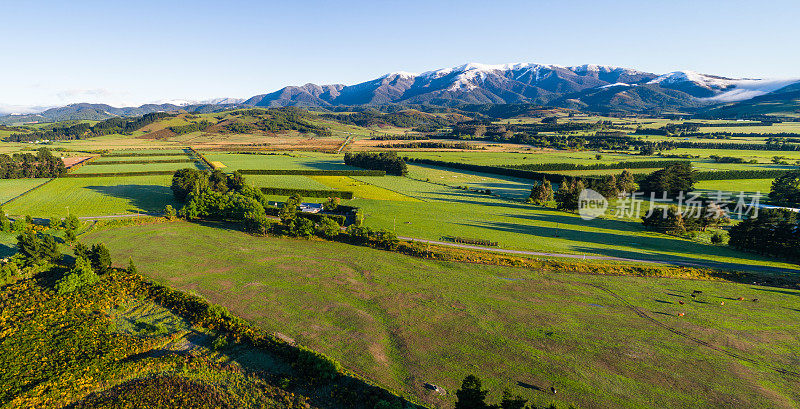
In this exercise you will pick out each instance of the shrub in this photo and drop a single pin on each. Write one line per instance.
(100, 258)
(719, 237)
(169, 213)
(328, 228)
(72, 222)
(301, 227)
(219, 342)
(55, 222)
(80, 276)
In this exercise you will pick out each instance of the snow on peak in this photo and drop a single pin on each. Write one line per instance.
(401, 74)
(616, 84)
(730, 89)
(708, 81)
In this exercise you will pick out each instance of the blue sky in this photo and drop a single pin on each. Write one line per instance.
(141, 51)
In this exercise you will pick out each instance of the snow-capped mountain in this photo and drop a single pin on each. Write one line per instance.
(594, 87)
(597, 88)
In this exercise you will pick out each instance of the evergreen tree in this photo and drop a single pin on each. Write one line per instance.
(672, 223)
(289, 209)
(72, 222)
(100, 258)
(541, 193)
(626, 182)
(169, 212)
(81, 250)
(608, 187)
(69, 236)
(5, 224)
(132, 267)
(786, 189)
(512, 402)
(471, 396)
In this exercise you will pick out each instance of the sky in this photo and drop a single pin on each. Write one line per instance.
(132, 52)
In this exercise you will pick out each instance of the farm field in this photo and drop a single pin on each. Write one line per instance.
(136, 159)
(291, 160)
(11, 188)
(360, 189)
(449, 211)
(96, 196)
(402, 321)
(286, 181)
(527, 157)
(740, 185)
(136, 167)
(505, 186)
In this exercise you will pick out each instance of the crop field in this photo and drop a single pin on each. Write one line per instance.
(136, 167)
(523, 157)
(360, 189)
(138, 159)
(402, 321)
(11, 188)
(505, 186)
(739, 185)
(96, 196)
(285, 181)
(292, 160)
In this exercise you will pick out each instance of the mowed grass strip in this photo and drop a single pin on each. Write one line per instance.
(361, 189)
(11, 188)
(96, 196)
(393, 318)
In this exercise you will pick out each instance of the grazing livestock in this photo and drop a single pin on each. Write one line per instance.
(680, 302)
(697, 292)
(740, 298)
(553, 389)
(680, 314)
(755, 299)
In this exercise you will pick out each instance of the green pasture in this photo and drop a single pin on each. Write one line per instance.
(285, 160)
(285, 181)
(446, 211)
(11, 188)
(136, 167)
(96, 196)
(523, 157)
(139, 159)
(400, 321)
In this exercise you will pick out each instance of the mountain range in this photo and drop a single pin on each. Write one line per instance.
(593, 88)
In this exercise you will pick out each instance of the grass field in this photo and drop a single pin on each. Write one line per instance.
(286, 181)
(11, 188)
(136, 159)
(742, 185)
(360, 189)
(96, 196)
(506, 186)
(136, 167)
(403, 321)
(292, 160)
(449, 211)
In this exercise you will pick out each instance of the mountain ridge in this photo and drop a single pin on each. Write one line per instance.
(589, 87)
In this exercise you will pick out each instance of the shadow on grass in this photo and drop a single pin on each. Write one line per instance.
(147, 198)
(7, 251)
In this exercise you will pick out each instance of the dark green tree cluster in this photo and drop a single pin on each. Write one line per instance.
(386, 161)
(541, 193)
(189, 128)
(97, 255)
(775, 232)
(568, 193)
(38, 248)
(26, 165)
(184, 181)
(786, 189)
(363, 235)
(673, 179)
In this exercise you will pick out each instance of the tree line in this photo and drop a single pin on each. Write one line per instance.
(85, 130)
(27, 165)
(386, 161)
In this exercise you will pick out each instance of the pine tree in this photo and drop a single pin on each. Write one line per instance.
(626, 184)
(541, 193)
(132, 267)
(471, 396)
(100, 258)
